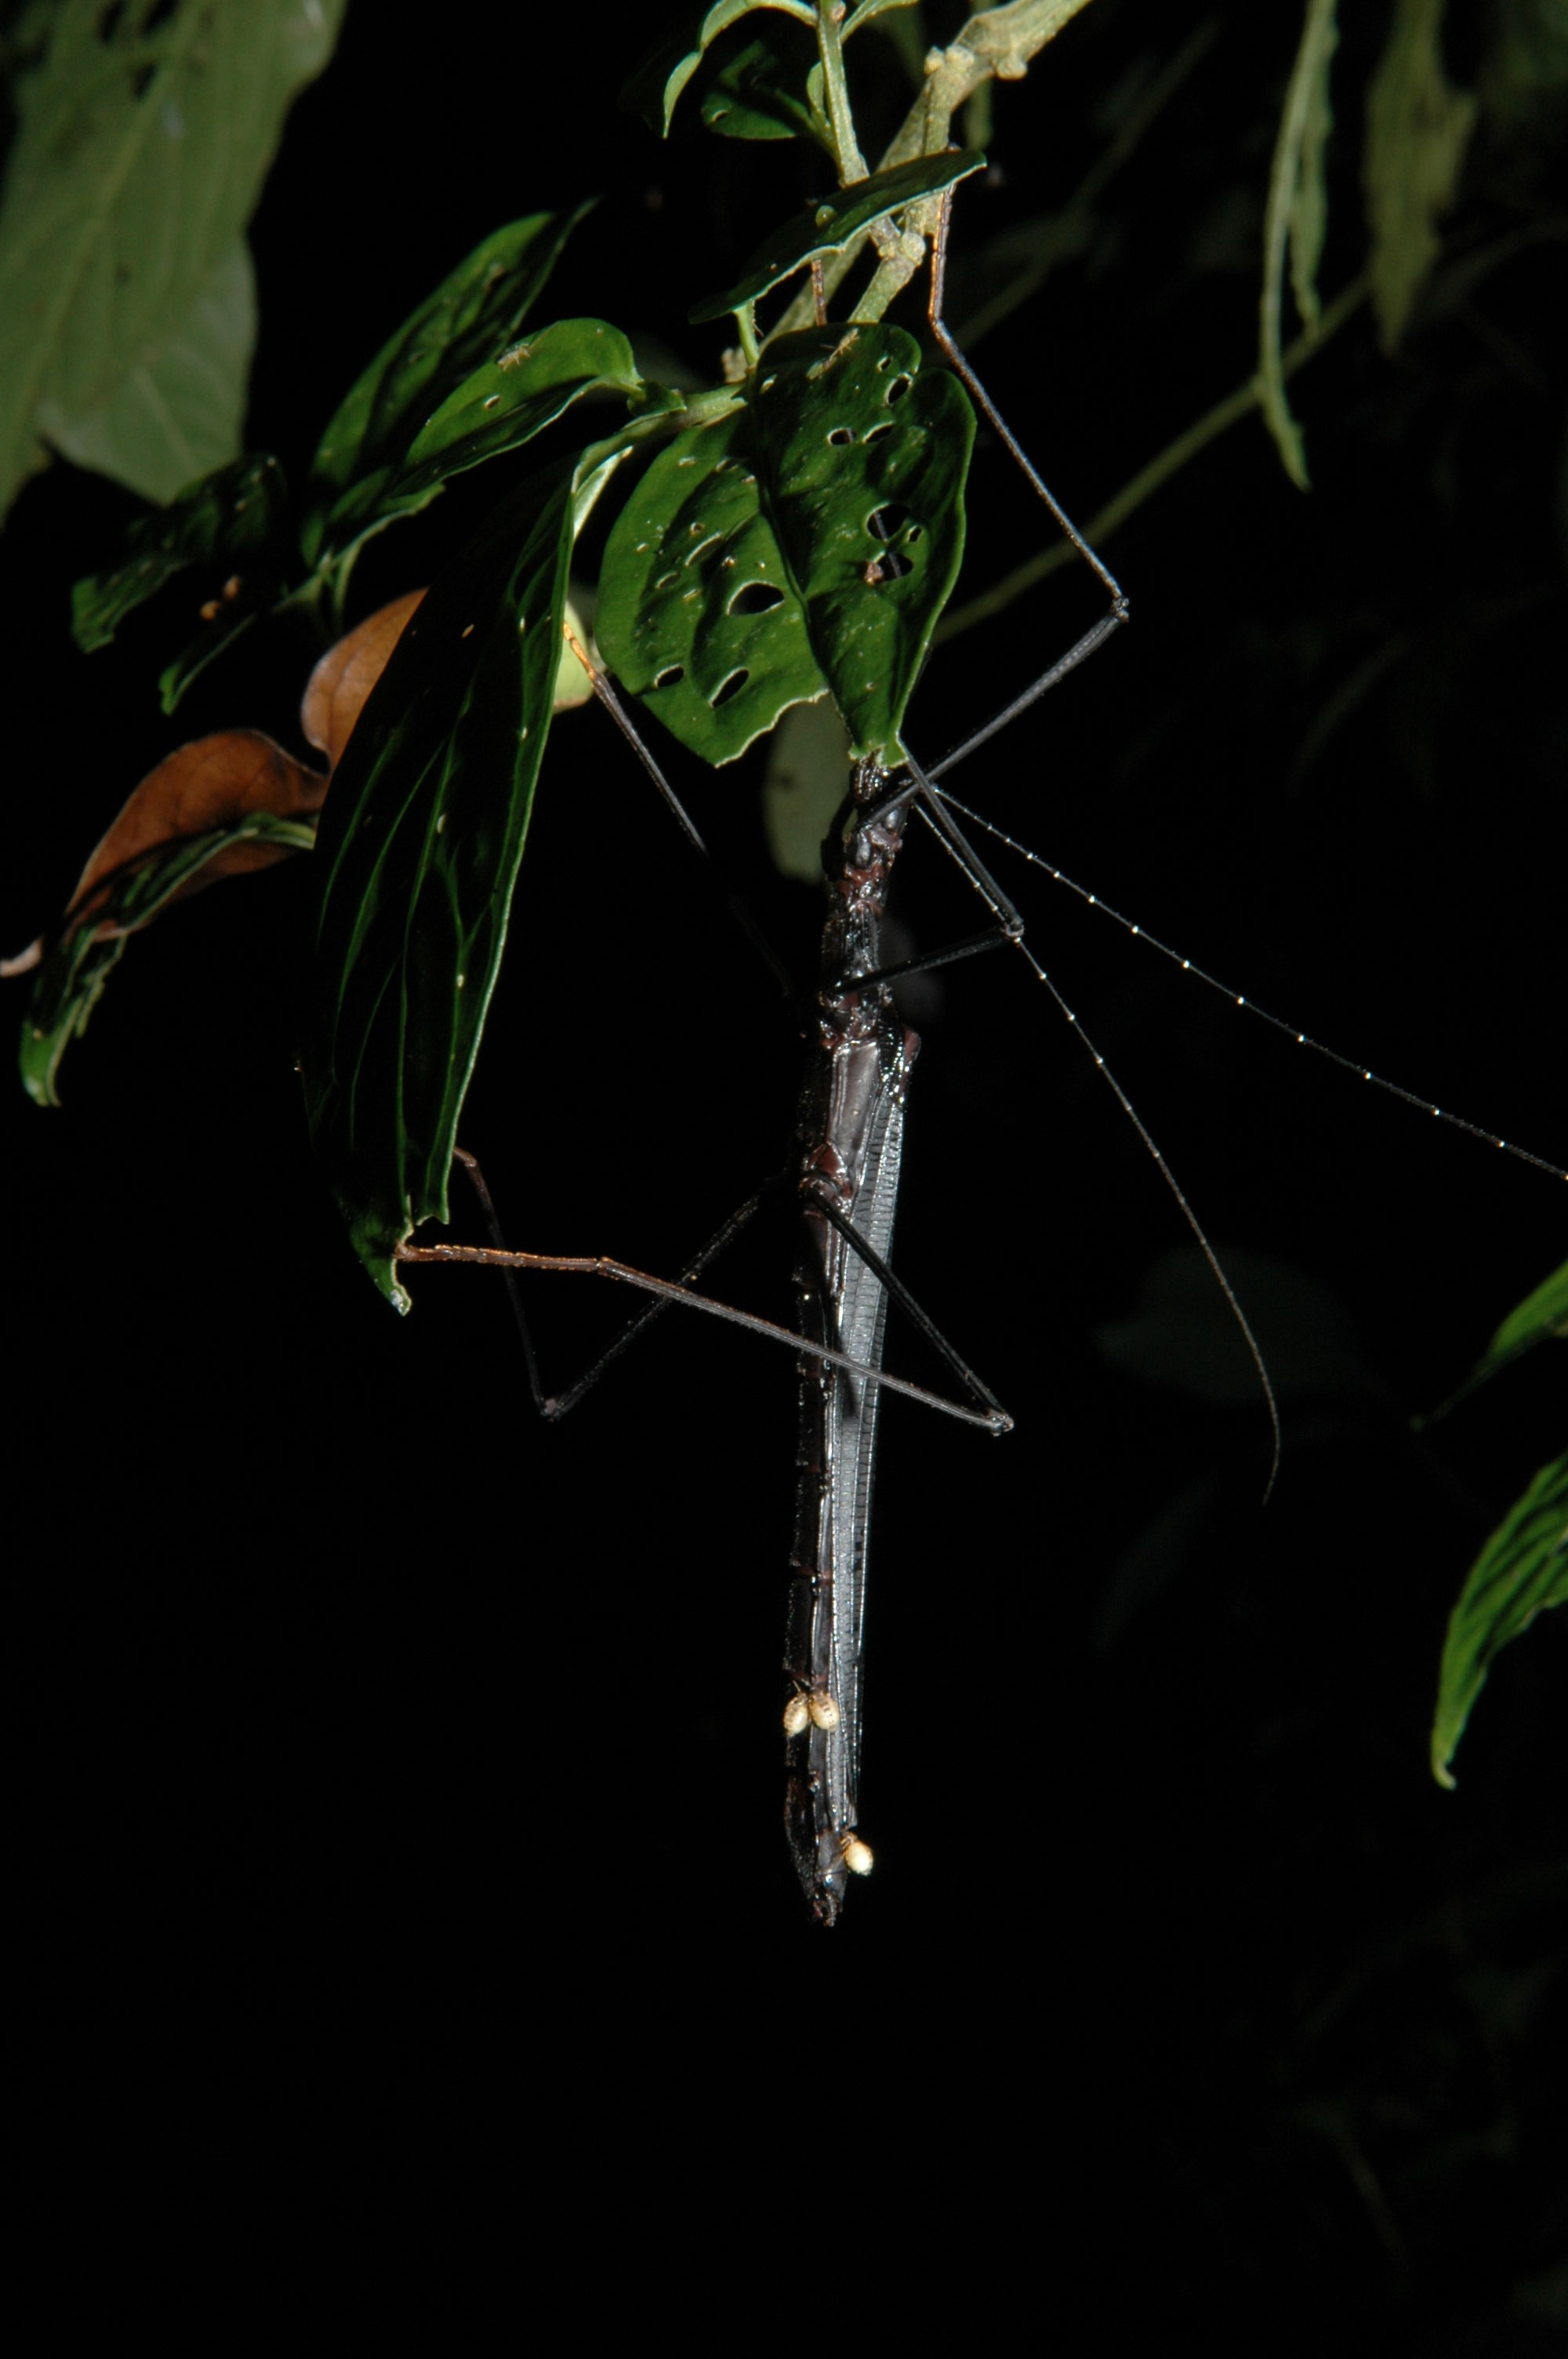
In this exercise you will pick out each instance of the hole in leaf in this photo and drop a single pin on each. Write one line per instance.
(887, 524)
(899, 387)
(756, 598)
(670, 677)
(731, 686)
(885, 426)
(841, 435)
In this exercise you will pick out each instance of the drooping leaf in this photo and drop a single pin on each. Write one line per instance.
(1418, 128)
(420, 852)
(179, 407)
(1297, 216)
(72, 974)
(1522, 1569)
(221, 520)
(836, 221)
(144, 134)
(1541, 1315)
(770, 90)
(220, 807)
(467, 321)
(866, 455)
(697, 615)
(653, 90)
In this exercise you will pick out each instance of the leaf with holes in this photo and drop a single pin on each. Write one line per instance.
(224, 520)
(697, 615)
(865, 457)
(421, 848)
(837, 219)
(464, 323)
(1522, 1569)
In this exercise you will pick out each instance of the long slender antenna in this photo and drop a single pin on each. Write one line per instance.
(1239, 999)
(1151, 1148)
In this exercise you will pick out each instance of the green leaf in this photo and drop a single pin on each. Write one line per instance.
(1297, 216)
(836, 221)
(697, 615)
(224, 519)
(1522, 1569)
(653, 90)
(179, 409)
(506, 402)
(1417, 132)
(422, 838)
(866, 455)
(220, 629)
(74, 972)
(464, 323)
(142, 138)
(1541, 1314)
(770, 90)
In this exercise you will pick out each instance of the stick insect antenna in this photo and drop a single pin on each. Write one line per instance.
(1351, 1065)
(1151, 1148)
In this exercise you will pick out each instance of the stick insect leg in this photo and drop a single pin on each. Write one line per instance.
(553, 1406)
(665, 1288)
(899, 1293)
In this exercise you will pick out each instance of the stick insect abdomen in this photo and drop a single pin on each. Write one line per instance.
(851, 1133)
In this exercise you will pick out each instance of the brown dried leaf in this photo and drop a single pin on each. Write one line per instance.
(212, 783)
(343, 679)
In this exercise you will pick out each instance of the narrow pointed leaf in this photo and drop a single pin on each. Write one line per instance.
(419, 854)
(1541, 1315)
(1296, 217)
(865, 457)
(466, 321)
(506, 402)
(1522, 1569)
(838, 220)
(697, 614)
(227, 518)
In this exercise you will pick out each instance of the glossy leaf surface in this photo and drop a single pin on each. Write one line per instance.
(1522, 1569)
(865, 457)
(836, 221)
(464, 323)
(223, 520)
(143, 137)
(419, 854)
(697, 614)
(506, 402)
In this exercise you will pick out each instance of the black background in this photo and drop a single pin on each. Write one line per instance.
(353, 1695)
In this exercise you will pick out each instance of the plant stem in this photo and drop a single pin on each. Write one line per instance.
(830, 15)
(1148, 480)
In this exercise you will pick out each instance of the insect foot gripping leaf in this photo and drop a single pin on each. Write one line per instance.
(865, 456)
(420, 853)
(222, 806)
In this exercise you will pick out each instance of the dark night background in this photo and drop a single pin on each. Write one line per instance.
(351, 1696)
